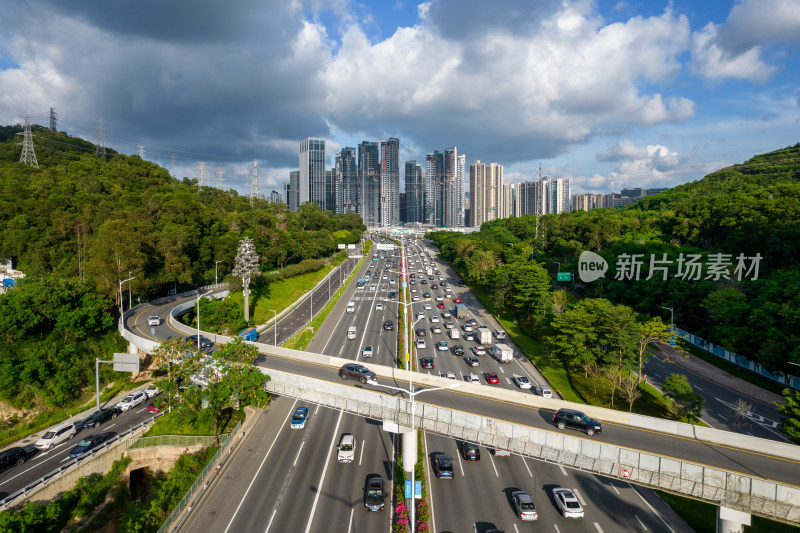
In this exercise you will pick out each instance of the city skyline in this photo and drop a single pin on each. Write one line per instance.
(606, 93)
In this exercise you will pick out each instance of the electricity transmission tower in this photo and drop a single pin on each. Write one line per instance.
(254, 183)
(101, 138)
(201, 180)
(172, 163)
(220, 173)
(28, 156)
(53, 115)
(141, 151)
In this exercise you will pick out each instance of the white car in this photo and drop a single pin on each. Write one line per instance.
(420, 315)
(56, 435)
(439, 298)
(441, 346)
(428, 307)
(346, 449)
(473, 378)
(480, 350)
(567, 503)
(421, 343)
(448, 375)
(435, 319)
(367, 351)
(523, 382)
(151, 391)
(132, 400)
(415, 298)
(544, 391)
(372, 287)
(449, 325)
(153, 321)
(379, 306)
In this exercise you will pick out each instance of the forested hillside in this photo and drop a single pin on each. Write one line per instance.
(747, 209)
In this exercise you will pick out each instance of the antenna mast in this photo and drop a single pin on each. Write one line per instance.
(254, 183)
(28, 156)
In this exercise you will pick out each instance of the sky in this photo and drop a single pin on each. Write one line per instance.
(610, 94)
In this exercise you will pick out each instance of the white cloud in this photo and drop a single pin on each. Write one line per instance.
(711, 61)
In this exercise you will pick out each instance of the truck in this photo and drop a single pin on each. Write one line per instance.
(249, 334)
(484, 336)
(503, 353)
(461, 311)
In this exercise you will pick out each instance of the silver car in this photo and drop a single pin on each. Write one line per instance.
(347, 448)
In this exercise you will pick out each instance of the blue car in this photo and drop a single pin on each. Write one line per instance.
(90, 443)
(299, 418)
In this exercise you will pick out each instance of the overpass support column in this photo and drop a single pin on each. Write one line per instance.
(132, 348)
(408, 446)
(730, 520)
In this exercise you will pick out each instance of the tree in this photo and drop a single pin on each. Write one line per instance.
(574, 339)
(790, 412)
(740, 413)
(182, 360)
(531, 288)
(654, 331)
(245, 264)
(559, 301)
(687, 402)
(631, 390)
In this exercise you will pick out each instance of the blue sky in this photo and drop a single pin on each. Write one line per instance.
(609, 93)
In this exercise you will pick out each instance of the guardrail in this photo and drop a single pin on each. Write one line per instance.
(175, 440)
(32, 488)
(200, 482)
(718, 486)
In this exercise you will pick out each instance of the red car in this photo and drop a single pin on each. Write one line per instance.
(440, 305)
(153, 408)
(457, 300)
(491, 377)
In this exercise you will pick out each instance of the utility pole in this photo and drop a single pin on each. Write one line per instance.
(53, 115)
(28, 156)
(201, 180)
(141, 151)
(220, 173)
(100, 148)
(254, 183)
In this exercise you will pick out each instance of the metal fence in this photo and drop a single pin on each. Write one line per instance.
(200, 482)
(717, 486)
(175, 440)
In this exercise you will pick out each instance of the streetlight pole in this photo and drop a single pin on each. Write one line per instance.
(275, 325)
(121, 305)
(671, 324)
(216, 271)
(198, 317)
(559, 266)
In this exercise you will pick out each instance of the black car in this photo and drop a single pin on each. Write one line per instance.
(470, 451)
(434, 286)
(443, 466)
(374, 494)
(388, 325)
(90, 443)
(457, 350)
(421, 332)
(356, 371)
(204, 341)
(99, 417)
(569, 418)
(15, 456)
(392, 294)
(426, 362)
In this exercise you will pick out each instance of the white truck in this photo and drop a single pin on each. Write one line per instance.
(503, 353)
(484, 336)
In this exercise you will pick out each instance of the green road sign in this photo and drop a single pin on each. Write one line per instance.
(564, 276)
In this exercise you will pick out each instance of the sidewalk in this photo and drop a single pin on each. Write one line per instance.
(720, 377)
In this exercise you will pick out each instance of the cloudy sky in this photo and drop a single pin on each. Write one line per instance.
(609, 93)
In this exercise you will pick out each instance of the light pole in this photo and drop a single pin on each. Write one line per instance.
(671, 327)
(216, 271)
(275, 325)
(129, 287)
(559, 266)
(411, 392)
(198, 317)
(121, 306)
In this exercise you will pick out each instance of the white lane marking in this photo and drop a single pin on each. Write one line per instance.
(111, 426)
(722, 417)
(563, 471)
(350, 525)
(460, 464)
(361, 455)
(250, 486)
(493, 466)
(298, 453)
(430, 485)
(502, 371)
(515, 528)
(613, 486)
(580, 498)
(599, 529)
(657, 375)
(651, 507)
(322, 477)
(557, 530)
(640, 522)
(271, 518)
(526, 466)
(508, 380)
(698, 388)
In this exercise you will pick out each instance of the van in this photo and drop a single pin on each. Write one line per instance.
(56, 435)
(351, 332)
(454, 334)
(351, 307)
(249, 334)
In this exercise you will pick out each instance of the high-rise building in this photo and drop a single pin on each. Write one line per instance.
(313, 187)
(369, 181)
(330, 190)
(507, 201)
(415, 192)
(346, 180)
(461, 162)
(275, 197)
(477, 193)
(541, 197)
(403, 207)
(390, 182)
(559, 196)
(292, 191)
(434, 169)
(447, 215)
(583, 202)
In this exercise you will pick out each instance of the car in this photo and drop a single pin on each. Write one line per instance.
(439, 298)
(469, 336)
(346, 448)
(426, 295)
(522, 382)
(379, 306)
(16, 456)
(524, 506)
(428, 307)
(434, 286)
(383, 288)
(56, 435)
(153, 321)
(367, 352)
(420, 315)
(153, 408)
(472, 361)
(568, 505)
(420, 332)
(443, 466)
(357, 372)
(472, 322)
(204, 342)
(457, 350)
(299, 418)
(436, 328)
(372, 287)
(426, 362)
(388, 325)
(132, 400)
(499, 334)
(151, 391)
(470, 451)
(90, 443)
(374, 494)
(499, 452)
(468, 328)
(415, 298)
(385, 276)
(457, 300)
(421, 344)
(492, 378)
(441, 346)
(449, 324)
(460, 281)
(435, 319)
(392, 294)
(569, 418)
(446, 314)
(441, 305)
(423, 281)
(99, 416)
(478, 350)
(448, 375)
(474, 379)
(544, 391)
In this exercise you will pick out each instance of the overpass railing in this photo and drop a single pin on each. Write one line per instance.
(753, 495)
